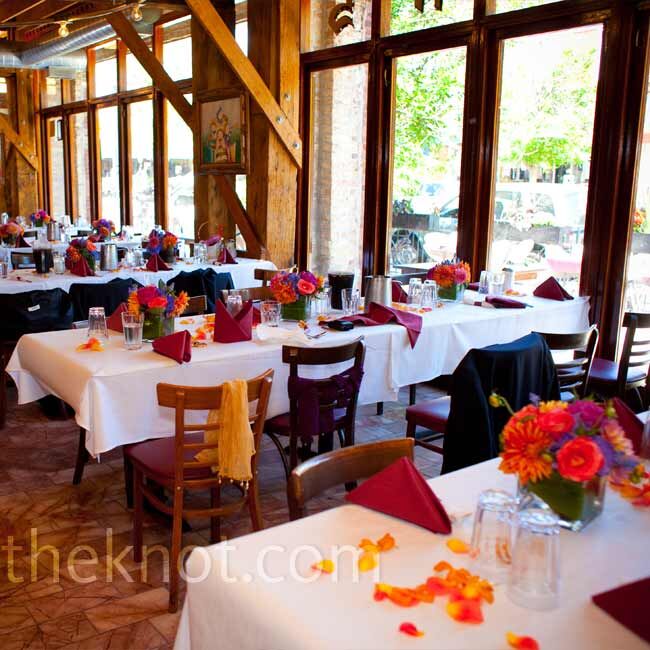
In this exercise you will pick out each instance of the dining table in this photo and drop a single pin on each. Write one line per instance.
(113, 393)
(261, 590)
(58, 247)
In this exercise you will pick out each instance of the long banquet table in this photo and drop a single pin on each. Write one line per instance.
(113, 393)
(241, 273)
(234, 606)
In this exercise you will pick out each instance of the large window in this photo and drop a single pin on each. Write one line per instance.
(106, 69)
(177, 48)
(143, 211)
(136, 75)
(80, 168)
(350, 25)
(546, 116)
(56, 166)
(406, 18)
(109, 172)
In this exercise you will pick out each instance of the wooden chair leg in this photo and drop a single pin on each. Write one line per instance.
(3, 395)
(412, 393)
(177, 537)
(128, 480)
(283, 456)
(138, 510)
(380, 408)
(293, 452)
(82, 458)
(215, 522)
(254, 506)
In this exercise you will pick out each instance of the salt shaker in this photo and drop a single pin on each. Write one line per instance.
(508, 279)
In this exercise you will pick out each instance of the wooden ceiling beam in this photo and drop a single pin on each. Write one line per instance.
(223, 38)
(44, 10)
(17, 141)
(13, 8)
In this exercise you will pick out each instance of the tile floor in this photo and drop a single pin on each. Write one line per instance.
(100, 599)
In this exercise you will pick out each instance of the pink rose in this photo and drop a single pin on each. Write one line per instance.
(306, 288)
(579, 459)
(146, 294)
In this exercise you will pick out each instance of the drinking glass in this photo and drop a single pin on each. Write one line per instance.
(58, 263)
(429, 294)
(97, 323)
(129, 259)
(350, 299)
(321, 303)
(234, 303)
(644, 451)
(415, 291)
(132, 325)
(4, 269)
(138, 256)
(496, 281)
(270, 313)
(534, 580)
(491, 536)
(484, 282)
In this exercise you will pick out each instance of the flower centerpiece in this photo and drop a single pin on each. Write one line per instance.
(81, 248)
(293, 290)
(160, 305)
(10, 232)
(452, 278)
(103, 230)
(563, 453)
(163, 243)
(40, 218)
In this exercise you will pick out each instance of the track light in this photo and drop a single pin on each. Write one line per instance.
(63, 28)
(136, 13)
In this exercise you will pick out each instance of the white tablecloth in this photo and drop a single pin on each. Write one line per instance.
(113, 393)
(242, 276)
(235, 607)
(58, 247)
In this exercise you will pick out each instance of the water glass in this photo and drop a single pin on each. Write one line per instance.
(270, 313)
(138, 257)
(496, 281)
(321, 303)
(491, 536)
(350, 299)
(129, 259)
(97, 323)
(534, 580)
(234, 303)
(4, 269)
(644, 450)
(58, 264)
(132, 325)
(484, 283)
(415, 291)
(429, 294)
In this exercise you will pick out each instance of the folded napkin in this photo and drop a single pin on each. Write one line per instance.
(213, 241)
(225, 257)
(474, 286)
(628, 605)
(21, 243)
(552, 290)
(81, 268)
(156, 263)
(399, 295)
(257, 316)
(232, 329)
(177, 346)
(114, 321)
(380, 315)
(401, 491)
(504, 303)
(266, 334)
(630, 423)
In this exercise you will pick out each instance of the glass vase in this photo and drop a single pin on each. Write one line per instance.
(454, 293)
(156, 325)
(298, 310)
(576, 504)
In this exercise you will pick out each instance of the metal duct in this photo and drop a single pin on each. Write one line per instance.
(10, 60)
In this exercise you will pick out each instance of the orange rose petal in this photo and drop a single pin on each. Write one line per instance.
(368, 545)
(465, 611)
(403, 597)
(438, 586)
(367, 561)
(521, 642)
(386, 543)
(410, 629)
(92, 344)
(457, 546)
(442, 566)
(324, 566)
(423, 594)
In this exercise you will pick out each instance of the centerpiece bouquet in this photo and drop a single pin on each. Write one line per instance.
(293, 291)
(163, 243)
(11, 232)
(563, 453)
(452, 278)
(103, 230)
(160, 305)
(40, 218)
(81, 249)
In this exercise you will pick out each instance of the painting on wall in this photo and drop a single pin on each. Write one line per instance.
(223, 132)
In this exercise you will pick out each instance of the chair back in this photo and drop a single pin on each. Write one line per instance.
(109, 295)
(196, 306)
(573, 374)
(192, 398)
(22, 260)
(265, 275)
(345, 465)
(251, 293)
(636, 347)
(206, 282)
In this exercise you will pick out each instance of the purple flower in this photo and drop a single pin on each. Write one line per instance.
(309, 277)
(609, 455)
(589, 413)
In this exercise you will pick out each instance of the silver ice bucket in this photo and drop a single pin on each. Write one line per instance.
(108, 257)
(379, 289)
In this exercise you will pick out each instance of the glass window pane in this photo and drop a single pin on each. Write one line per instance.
(136, 75)
(499, 6)
(56, 166)
(428, 138)
(109, 203)
(546, 117)
(180, 166)
(350, 26)
(404, 17)
(4, 96)
(142, 182)
(80, 163)
(79, 86)
(52, 92)
(106, 69)
(337, 169)
(177, 48)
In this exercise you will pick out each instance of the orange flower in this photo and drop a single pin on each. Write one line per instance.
(180, 303)
(521, 642)
(410, 629)
(579, 459)
(133, 304)
(90, 246)
(525, 450)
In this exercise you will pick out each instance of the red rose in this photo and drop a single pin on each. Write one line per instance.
(579, 459)
(306, 288)
(159, 302)
(556, 422)
(146, 294)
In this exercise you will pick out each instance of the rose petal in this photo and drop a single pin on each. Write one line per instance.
(325, 566)
(410, 629)
(457, 546)
(465, 611)
(386, 543)
(521, 642)
(367, 561)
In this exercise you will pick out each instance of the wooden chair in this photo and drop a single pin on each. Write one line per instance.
(346, 465)
(196, 306)
(573, 374)
(265, 275)
(169, 463)
(252, 293)
(611, 379)
(287, 424)
(22, 260)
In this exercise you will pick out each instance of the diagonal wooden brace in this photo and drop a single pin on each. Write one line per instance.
(17, 141)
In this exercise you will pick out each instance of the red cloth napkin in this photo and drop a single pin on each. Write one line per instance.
(21, 243)
(225, 257)
(177, 346)
(474, 286)
(114, 321)
(233, 329)
(380, 315)
(81, 268)
(399, 295)
(552, 290)
(628, 605)
(257, 316)
(504, 303)
(156, 263)
(630, 423)
(401, 491)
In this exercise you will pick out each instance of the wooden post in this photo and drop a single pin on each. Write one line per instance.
(274, 50)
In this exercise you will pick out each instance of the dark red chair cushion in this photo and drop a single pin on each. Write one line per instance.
(431, 415)
(606, 372)
(156, 457)
(280, 424)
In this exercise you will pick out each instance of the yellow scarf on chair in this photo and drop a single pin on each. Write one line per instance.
(234, 435)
